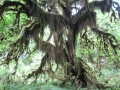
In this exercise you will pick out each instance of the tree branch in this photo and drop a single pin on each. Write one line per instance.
(16, 4)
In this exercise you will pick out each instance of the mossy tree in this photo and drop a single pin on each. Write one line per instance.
(64, 28)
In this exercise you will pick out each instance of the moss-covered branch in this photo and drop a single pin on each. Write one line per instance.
(15, 4)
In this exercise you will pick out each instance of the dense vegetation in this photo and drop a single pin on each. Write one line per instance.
(72, 44)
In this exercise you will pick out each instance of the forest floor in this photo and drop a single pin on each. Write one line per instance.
(47, 87)
(108, 76)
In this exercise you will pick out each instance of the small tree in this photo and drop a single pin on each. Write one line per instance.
(64, 28)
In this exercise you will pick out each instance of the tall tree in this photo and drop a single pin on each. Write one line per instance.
(64, 28)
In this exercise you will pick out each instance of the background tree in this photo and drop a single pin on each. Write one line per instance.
(64, 28)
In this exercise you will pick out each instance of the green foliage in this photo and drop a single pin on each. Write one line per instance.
(37, 86)
(9, 29)
(108, 73)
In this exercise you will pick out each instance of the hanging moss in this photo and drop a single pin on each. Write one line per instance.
(64, 31)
